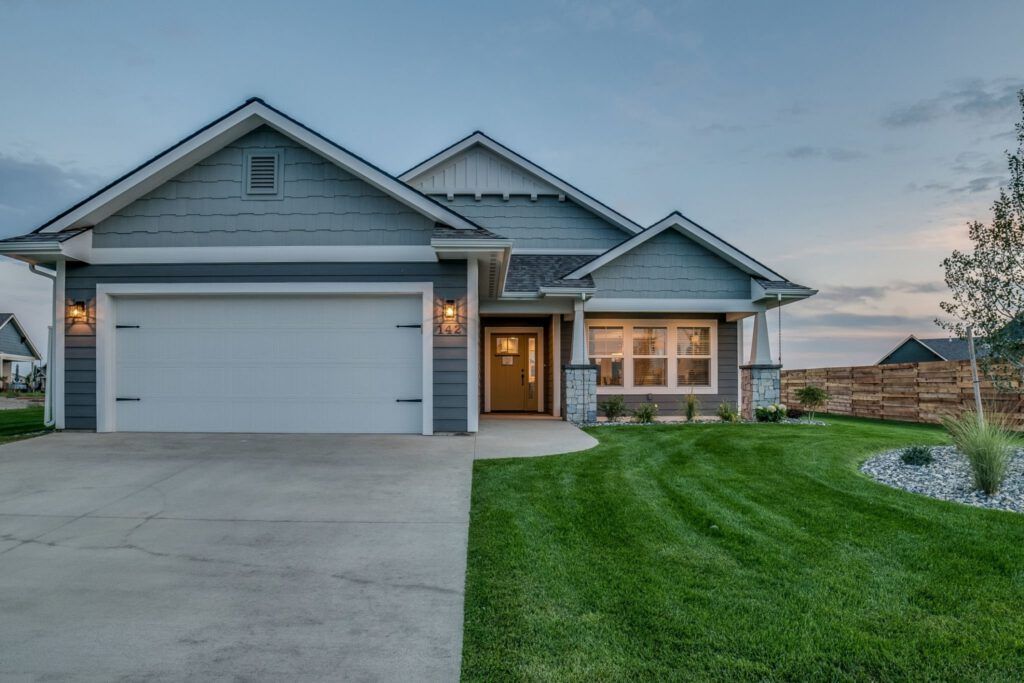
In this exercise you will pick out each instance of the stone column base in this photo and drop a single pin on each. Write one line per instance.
(580, 392)
(761, 386)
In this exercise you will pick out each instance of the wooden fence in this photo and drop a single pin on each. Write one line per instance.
(912, 392)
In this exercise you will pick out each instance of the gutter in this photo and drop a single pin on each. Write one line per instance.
(48, 411)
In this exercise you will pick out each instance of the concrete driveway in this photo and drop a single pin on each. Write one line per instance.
(271, 557)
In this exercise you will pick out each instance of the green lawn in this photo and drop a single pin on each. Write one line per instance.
(17, 423)
(736, 552)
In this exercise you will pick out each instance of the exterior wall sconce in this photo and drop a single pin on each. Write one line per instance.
(449, 312)
(78, 312)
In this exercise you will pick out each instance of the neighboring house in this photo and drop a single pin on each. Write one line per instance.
(15, 347)
(256, 276)
(915, 350)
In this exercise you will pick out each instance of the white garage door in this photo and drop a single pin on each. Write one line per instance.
(272, 363)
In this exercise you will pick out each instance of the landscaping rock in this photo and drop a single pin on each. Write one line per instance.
(948, 477)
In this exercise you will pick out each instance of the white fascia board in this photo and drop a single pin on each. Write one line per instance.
(603, 305)
(470, 245)
(495, 147)
(689, 229)
(567, 291)
(557, 252)
(233, 126)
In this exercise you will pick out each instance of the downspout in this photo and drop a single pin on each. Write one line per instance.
(48, 416)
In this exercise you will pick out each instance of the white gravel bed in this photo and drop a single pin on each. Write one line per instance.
(948, 477)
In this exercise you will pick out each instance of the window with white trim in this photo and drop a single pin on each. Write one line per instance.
(652, 356)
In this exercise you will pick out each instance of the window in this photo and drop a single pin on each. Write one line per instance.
(506, 346)
(653, 356)
(262, 178)
(650, 362)
(693, 357)
(606, 354)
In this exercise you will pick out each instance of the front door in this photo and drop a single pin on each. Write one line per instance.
(514, 376)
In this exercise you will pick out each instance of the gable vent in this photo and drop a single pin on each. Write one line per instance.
(263, 173)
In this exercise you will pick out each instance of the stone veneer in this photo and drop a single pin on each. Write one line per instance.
(761, 386)
(580, 392)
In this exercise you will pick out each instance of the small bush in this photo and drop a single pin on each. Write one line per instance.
(794, 413)
(726, 412)
(812, 398)
(775, 412)
(917, 455)
(691, 406)
(613, 407)
(645, 413)
(988, 445)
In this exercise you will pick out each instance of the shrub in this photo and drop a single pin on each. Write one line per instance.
(988, 445)
(794, 413)
(726, 412)
(775, 412)
(613, 407)
(917, 455)
(691, 406)
(812, 398)
(645, 413)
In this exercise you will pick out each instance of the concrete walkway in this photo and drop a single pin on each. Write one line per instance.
(228, 556)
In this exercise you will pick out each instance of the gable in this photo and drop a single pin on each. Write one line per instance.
(320, 204)
(478, 170)
(13, 342)
(544, 223)
(910, 351)
(671, 265)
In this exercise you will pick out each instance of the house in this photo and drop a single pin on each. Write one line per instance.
(15, 347)
(257, 276)
(915, 350)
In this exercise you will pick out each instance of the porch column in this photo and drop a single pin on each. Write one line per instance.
(579, 335)
(760, 379)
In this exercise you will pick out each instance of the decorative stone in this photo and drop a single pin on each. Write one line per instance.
(580, 393)
(761, 386)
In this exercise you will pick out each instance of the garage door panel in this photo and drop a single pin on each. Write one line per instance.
(269, 364)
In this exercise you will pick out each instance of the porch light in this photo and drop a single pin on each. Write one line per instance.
(449, 310)
(78, 312)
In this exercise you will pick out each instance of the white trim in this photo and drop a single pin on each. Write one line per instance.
(105, 321)
(472, 346)
(539, 331)
(556, 365)
(671, 325)
(24, 334)
(500, 150)
(739, 362)
(55, 365)
(689, 229)
(603, 305)
(267, 254)
(233, 126)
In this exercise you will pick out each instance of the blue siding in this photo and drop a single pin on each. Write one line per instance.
(544, 223)
(671, 266)
(322, 204)
(12, 342)
(449, 278)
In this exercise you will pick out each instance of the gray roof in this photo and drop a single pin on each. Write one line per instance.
(446, 232)
(950, 349)
(42, 237)
(780, 284)
(530, 272)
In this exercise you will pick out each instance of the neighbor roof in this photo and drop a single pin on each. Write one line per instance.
(945, 348)
(10, 319)
(250, 115)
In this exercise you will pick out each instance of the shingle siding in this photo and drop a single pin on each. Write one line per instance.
(11, 341)
(670, 266)
(544, 223)
(322, 204)
(449, 278)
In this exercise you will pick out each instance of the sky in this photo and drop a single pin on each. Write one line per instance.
(847, 145)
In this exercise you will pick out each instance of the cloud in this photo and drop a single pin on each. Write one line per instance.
(830, 153)
(839, 295)
(32, 191)
(975, 99)
(979, 185)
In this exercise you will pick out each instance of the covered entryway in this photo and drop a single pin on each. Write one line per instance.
(273, 362)
(514, 365)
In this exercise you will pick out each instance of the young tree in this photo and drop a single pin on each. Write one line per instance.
(812, 397)
(987, 284)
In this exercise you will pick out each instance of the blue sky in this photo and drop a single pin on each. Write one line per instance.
(845, 144)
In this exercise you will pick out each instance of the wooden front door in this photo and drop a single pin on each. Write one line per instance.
(514, 376)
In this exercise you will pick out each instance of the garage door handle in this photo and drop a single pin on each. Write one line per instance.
(405, 400)
(126, 327)
(419, 327)
(122, 398)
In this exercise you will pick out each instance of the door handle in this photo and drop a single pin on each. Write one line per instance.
(522, 377)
